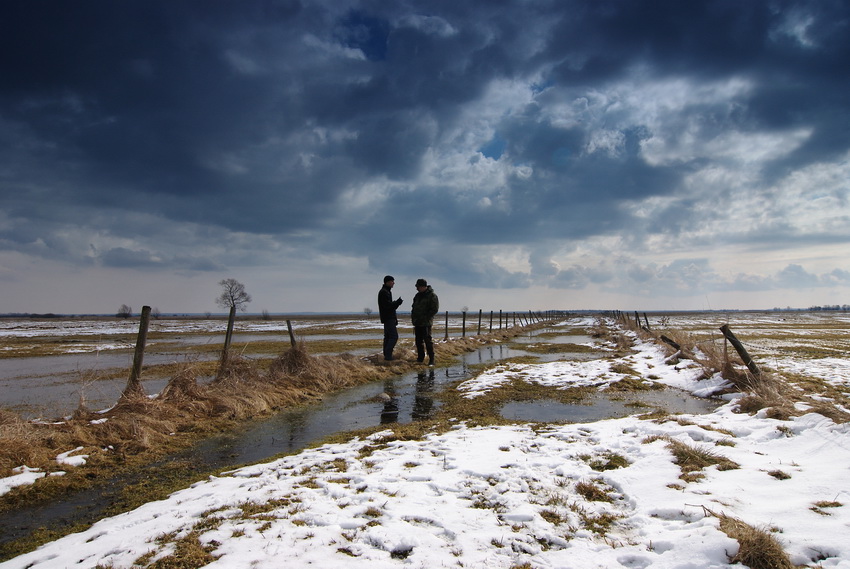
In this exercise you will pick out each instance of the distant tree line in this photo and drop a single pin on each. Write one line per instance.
(825, 307)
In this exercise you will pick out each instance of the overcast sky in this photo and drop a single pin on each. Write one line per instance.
(517, 154)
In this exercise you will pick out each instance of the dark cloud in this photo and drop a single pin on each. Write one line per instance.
(370, 128)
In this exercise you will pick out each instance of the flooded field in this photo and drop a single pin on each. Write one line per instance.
(406, 398)
(48, 366)
(44, 368)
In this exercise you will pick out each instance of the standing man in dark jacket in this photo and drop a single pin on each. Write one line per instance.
(387, 307)
(425, 307)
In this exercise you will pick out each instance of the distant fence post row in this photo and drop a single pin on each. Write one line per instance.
(626, 319)
(134, 385)
(506, 320)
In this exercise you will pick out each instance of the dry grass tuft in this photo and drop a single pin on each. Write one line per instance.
(237, 370)
(183, 386)
(757, 548)
(293, 362)
(772, 394)
(692, 458)
(830, 411)
(18, 443)
(592, 492)
(189, 553)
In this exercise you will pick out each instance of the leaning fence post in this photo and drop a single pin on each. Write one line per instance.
(134, 383)
(291, 335)
(740, 349)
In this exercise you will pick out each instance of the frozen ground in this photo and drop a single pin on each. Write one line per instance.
(503, 497)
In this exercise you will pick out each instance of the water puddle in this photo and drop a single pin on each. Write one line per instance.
(400, 400)
(565, 339)
(608, 406)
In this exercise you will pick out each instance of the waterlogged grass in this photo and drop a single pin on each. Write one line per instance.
(146, 483)
(485, 409)
(553, 348)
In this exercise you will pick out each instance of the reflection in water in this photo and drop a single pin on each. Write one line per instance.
(423, 402)
(389, 414)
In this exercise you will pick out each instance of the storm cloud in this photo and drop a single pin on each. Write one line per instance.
(630, 150)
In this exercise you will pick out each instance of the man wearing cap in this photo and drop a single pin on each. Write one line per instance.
(387, 307)
(425, 307)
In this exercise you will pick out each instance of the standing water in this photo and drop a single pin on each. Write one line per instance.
(403, 399)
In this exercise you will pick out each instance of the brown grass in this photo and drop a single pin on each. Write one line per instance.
(592, 492)
(691, 459)
(184, 410)
(189, 553)
(757, 548)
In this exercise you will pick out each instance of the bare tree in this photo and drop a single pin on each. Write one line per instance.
(124, 312)
(368, 311)
(233, 295)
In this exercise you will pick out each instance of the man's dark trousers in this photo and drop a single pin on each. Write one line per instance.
(424, 343)
(390, 339)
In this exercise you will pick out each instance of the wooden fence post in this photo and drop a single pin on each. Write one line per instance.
(291, 335)
(463, 326)
(447, 324)
(751, 365)
(231, 318)
(500, 319)
(134, 383)
(480, 312)
(491, 321)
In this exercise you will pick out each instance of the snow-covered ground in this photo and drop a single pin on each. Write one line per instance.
(508, 496)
